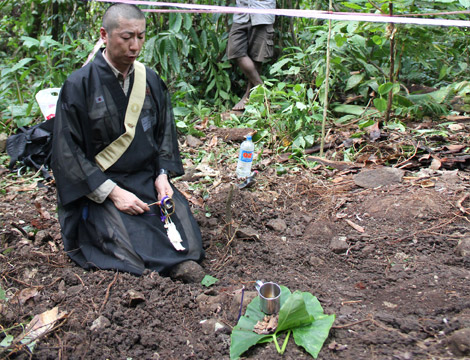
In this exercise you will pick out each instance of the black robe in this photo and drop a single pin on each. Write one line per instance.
(90, 115)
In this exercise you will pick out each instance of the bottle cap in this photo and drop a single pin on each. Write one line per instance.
(248, 137)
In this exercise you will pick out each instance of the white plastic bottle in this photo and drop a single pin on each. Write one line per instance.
(245, 159)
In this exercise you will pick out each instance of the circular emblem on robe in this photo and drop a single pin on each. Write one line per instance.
(134, 107)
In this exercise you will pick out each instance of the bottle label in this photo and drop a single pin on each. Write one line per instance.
(246, 156)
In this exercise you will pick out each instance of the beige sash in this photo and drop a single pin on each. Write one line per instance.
(111, 153)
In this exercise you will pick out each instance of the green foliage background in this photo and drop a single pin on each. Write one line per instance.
(45, 40)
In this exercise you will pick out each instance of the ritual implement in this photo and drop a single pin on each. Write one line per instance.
(167, 208)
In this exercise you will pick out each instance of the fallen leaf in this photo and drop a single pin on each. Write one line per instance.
(214, 141)
(355, 226)
(374, 131)
(427, 183)
(197, 201)
(42, 212)
(457, 117)
(43, 323)
(456, 127)
(454, 148)
(24, 295)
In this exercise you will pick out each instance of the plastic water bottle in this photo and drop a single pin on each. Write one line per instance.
(245, 159)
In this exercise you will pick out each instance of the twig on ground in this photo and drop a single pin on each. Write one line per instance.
(426, 230)
(18, 281)
(108, 291)
(53, 282)
(22, 180)
(461, 207)
(228, 212)
(411, 157)
(351, 324)
(80, 279)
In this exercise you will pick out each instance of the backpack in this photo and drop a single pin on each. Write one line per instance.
(33, 147)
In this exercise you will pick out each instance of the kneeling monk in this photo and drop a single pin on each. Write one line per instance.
(114, 149)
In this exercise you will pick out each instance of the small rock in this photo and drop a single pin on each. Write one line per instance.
(307, 218)
(337, 347)
(278, 225)
(100, 323)
(134, 297)
(187, 272)
(373, 178)
(463, 248)
(297, 231)
(339, 244)
(459, 342)
(247, 233)
(193, 142)
(211, 326)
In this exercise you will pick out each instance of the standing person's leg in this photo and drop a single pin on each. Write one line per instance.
(250, 46)
(251, 69)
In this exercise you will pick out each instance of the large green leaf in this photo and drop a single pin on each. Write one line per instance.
(350, 109)
(293, 313)
(176, 19)
(311, 337)
(465, 3)
(312, 304)
(353, 81)
(380, 104)
(300, 312)
(29, 42)
(243, 337)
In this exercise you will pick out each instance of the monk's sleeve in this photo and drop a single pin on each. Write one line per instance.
(75, 171)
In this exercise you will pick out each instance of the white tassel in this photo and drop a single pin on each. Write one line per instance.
(174, 235)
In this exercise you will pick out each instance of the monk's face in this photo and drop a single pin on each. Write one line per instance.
(123, 44)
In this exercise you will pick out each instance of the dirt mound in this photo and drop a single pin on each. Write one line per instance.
(383, 260)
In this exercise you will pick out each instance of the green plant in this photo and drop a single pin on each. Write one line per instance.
(301, 314)
(283, 111)
(209, 280)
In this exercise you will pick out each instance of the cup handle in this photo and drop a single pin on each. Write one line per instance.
(258, 285)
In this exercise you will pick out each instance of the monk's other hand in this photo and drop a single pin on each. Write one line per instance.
(163, 187)
(127, 202)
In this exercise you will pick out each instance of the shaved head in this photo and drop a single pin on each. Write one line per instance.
(113, 14)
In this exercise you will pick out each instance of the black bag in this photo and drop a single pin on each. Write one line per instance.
(33, 147)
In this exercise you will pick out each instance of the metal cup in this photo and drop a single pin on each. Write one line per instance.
(270, 297)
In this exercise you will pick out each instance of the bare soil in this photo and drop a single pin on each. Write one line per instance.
(383, 259)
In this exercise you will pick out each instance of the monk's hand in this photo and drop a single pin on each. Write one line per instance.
(127, 202)
(162, 185)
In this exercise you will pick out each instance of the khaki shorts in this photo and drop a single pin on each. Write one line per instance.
(253, 41)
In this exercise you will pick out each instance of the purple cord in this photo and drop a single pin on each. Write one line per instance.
(241, 303)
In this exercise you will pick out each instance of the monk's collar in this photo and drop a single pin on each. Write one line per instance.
(116, 72)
